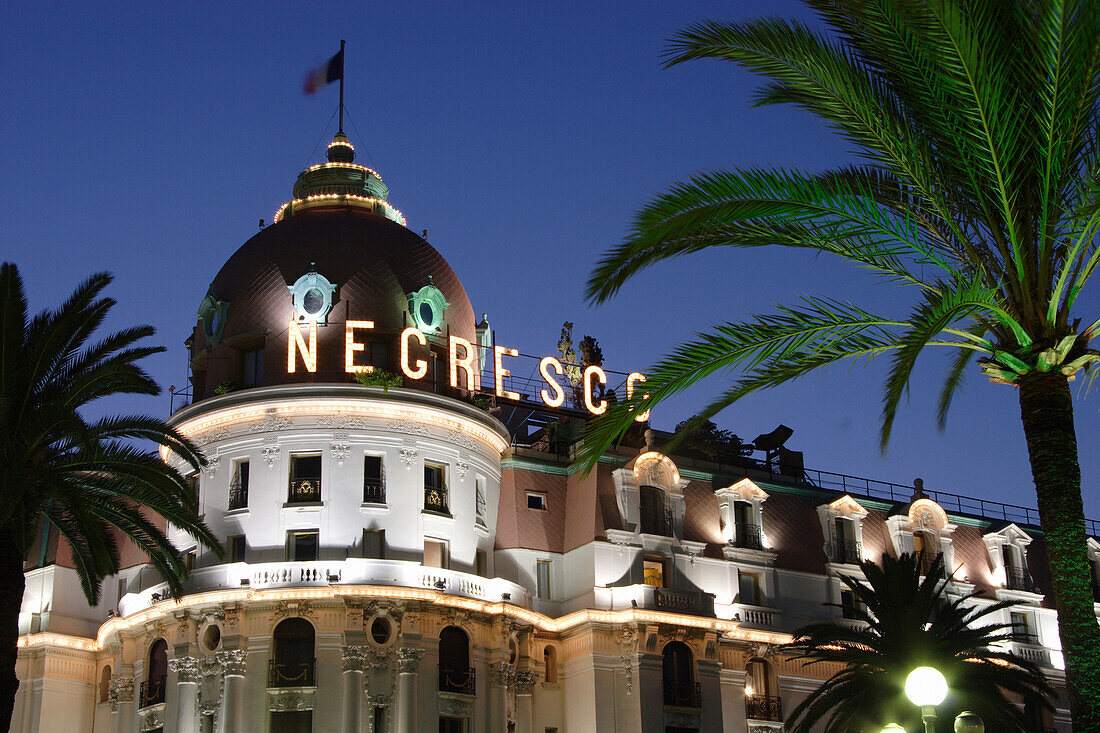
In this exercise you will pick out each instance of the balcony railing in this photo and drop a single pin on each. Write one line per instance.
(152, 692)
(462, 681)
(1019, 579)
(764, 707)
(374, 492)
(291, 674)
(747, 535)
(238, 496)
(684, 601)
(846, 551)
(306, 490)
(683, 695)
(435, 499)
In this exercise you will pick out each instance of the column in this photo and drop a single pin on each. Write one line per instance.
(121, 697)
(501, 675)
(525, 714)
(710, 695)
(354, 658)
(408, 663)
(187, 693)
(232, 713)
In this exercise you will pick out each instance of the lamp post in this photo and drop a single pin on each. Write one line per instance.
(926, 688)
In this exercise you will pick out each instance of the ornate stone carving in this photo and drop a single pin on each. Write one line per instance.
(232, 661)
(463, 468)
(354, 658)
(408, 455)
(454, 705)
(120, 692)
(460, 438)
(288, 700)
(627, 639)
(292, 608)
(502, 674)
(353, 617)
(152, 718)
(340, 451)
(186, 669)
(211, 687)
(271, 455)
(410, 427)
(525, 681)
(760, 649)
(218, 433)
(455, 617)
(211, 466)
(408, 659)
(270, 424)
(681, 719)
(340, 420)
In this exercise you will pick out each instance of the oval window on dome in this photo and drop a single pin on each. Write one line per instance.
(427, 307)
(313, 301)
(427, 315)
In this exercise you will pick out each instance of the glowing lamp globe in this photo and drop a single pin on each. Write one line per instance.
(925, 687)
(893, 728)
(969, 722)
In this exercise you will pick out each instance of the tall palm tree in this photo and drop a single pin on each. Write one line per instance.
(978, 189)
(908, 622)
(84, 477)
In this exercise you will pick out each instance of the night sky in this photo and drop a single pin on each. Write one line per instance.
(149, 141)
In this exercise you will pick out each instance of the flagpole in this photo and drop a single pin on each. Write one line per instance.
(341, 87)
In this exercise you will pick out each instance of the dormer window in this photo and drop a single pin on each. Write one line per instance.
(741, 509)
(653, 519)
(1007, 550)
(926, 532)
(650, 498)
(842, 527)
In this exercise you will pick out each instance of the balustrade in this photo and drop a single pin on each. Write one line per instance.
(764, 707)
(306, 490)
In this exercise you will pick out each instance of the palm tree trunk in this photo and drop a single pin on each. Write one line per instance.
(12, 583)
(1046, 409)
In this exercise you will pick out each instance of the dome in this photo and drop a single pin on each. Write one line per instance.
(332, 262)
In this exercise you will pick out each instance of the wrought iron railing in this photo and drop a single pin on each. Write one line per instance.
(374, 491)
(291, 674)
(462, 681)
(764, 707)
(1019, 579)
(435, 499)
(152, 692)
(683, 695)
(305, 490)
(747, 535)
(238, 496)
(658, 524)
(846, 551)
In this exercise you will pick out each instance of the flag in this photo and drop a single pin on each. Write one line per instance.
(327, 72)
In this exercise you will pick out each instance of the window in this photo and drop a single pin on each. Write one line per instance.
(189, 560)
(252, 367)
(550, 663)
(105, 683)
(481, 564)
(849, 605)
(749, 587)
(542, 578)
(678, 677)
(292, 660)
(435, 554)
(746, 531)
(301, 545)
(237, 548)
(1021, 629)
(479, 499)
(238, 486)
(155, 686)
(846, 549)
(761, 701)
(455, 673)
(652, 516)
(305, 479)
(435, 488)
(653, 571)
(536, 501)
(374, 544)
(374, 481)
(121, 588)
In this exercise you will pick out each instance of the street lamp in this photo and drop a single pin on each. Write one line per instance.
(926, 688)
(893, 728)
(968, 722)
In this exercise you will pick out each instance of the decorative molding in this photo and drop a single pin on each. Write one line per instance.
(271, 455)
(120, 692)
(152, 718)
(354, 657)
(290, 699)
(340, 450)
(408, 455)
(211, 466)
(186, 669)
(462, 467)
(410, 427)
(460, 438)
(212, 686)
(232, 661)
(270, 423)
(627, 639)
(284, 609)
(408, 660)
(502, 674)
(525, 681)
(340, 420)
(455, 705)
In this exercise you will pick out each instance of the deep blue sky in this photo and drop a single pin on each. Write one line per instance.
(148, 141)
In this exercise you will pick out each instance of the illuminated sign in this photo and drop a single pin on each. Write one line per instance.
(462, 365)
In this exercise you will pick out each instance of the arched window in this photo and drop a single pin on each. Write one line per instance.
(455, 674)
(679, 676)
(550, 663)
(292, 660)
(761, 697)
(156, 676)
(105, 683)
(652, 515)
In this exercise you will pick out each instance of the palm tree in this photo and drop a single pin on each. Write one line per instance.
(977, 188)
(83, 477)
(908, 622)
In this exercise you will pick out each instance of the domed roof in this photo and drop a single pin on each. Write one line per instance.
(355, 258)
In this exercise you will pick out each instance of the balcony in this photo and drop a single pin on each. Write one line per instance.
(238, 496)
(747, 535)
(1019, 579)
(291, 674)
(460, 681)
(641, 595)
(683, 695)
(374, 492)
(151, 693)
(1028, 647)
(764, 707)
(435, 500)
(305, 490)
(848, 552)
(757, 616)
(683, 601)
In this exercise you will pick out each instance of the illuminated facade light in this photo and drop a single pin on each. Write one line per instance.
(351, 346)
(597, 374)
(630, 380)
(466, 363)
(501, 372)
(420, 364)
(545, 365)
(295, 344)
